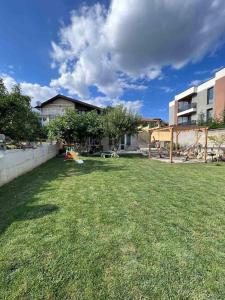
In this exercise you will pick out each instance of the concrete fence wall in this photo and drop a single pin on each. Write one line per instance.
(14, 163)
(188, 138)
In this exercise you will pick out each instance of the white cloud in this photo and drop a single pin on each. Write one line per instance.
(216, 70)
(43, 93)
(198, 81)
(34, 90)
(201, 72)
(166, 89)
(147, 34)
(134, 106)
(118, 49)
(132, 86)
(195, 82)
(135, 39)
(38, 92)
(8, 81)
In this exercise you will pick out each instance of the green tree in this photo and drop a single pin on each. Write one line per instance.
(17, 120)
(201, 119)
(76, 128)
(118, 121)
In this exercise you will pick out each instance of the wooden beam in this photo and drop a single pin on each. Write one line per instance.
(171, 144)
(177, 135)
(149, 144)
(180, 128)
(206, 143)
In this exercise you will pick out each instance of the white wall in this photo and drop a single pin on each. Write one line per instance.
(14, 163)
(188, 138)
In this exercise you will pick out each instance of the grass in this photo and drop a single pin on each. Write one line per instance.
(125, 228)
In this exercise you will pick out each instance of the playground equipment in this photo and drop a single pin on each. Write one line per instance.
(71, 154)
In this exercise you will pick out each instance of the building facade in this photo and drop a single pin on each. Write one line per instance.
(202, 102)
(59, 104)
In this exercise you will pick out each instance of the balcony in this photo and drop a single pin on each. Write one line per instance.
(186, 108)
(187, 93)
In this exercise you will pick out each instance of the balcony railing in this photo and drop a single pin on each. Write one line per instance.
(191, 122)
(187, 106)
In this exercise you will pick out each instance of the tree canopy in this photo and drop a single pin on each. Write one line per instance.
(76, 128)
(17, 120)
(114, 122)
(119, 121)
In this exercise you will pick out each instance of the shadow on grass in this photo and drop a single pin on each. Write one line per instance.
(19, 198)
(92, 165)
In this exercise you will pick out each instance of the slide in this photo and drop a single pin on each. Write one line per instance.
(75, 157)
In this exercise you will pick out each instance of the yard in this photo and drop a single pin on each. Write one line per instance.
(125, 228)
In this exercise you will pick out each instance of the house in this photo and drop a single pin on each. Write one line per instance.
(139, 140)
(202, 102)
(153, 122)
(58, 106)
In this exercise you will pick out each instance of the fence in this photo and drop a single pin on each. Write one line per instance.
(14, 163)
(188, 138)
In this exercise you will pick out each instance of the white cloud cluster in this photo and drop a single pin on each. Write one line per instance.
(34, 90)
(43, 93)
(120, 48)
(111, 50)
(133, 106)
(83, 55)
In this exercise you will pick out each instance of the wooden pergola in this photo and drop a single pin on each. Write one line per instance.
(177, 129)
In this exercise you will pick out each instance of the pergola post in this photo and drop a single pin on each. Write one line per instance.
(149, 144)
(206, 143)
(177, 135)
(171, 144)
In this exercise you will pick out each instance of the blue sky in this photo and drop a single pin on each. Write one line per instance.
(136, 53)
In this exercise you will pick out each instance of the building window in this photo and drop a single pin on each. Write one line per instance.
(210, 95)
(186, 121)
(81, 111)
(125, 141)
(128, 139)
(122, 142)
(209, 114)
(183, 120)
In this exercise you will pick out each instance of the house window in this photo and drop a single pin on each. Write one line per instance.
(125, 141)
(128, 139)
(122, 142)
(209, 114)
(210, 95)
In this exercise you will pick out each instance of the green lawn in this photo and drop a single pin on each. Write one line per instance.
(125, 228)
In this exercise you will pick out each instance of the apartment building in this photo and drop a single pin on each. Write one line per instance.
(204, 101)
